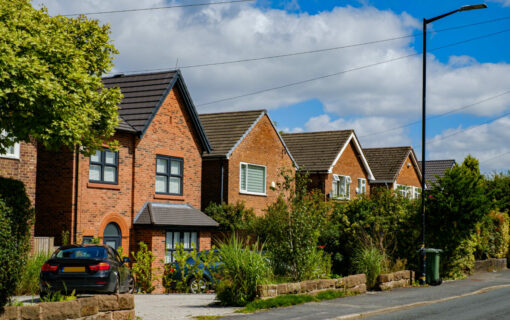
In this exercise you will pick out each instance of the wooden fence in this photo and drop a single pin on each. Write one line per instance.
(43, 244)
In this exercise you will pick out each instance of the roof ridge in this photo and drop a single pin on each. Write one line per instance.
(327, 131)
(401, 147)
(242, 111)
(120, 75)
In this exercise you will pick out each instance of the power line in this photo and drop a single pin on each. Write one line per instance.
(347, 71)
(438, 115)
(324, 49)
(493, 158)
(156, 8)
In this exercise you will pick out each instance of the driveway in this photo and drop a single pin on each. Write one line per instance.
(177, 306)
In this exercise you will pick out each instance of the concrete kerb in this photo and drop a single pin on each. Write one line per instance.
(417, 304)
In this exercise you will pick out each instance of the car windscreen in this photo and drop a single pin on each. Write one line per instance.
(81, 253)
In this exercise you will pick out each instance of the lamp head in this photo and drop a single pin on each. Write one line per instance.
(473, 7)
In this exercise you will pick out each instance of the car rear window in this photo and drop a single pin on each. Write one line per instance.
(81, 253)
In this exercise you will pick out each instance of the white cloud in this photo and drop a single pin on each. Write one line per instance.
(505, 3)
(157, 39)
(371, 131)
(487, 142)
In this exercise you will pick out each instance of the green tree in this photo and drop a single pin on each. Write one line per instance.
(291, 229)
(231, 217)
(50, 79)
(498, 190)
(456, 203)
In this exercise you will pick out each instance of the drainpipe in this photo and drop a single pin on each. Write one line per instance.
(222, 178)
(76, 187)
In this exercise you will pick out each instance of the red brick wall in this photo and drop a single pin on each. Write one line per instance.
(100, 204)
(23, 169)
(408, 174)
(55, 193)
(349, 164)
(261, 146)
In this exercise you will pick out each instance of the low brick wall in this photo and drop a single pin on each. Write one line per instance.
(99, 307)
(353, 284)
(397, 279)
(490, 265)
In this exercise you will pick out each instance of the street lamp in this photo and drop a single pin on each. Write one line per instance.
(424, 88)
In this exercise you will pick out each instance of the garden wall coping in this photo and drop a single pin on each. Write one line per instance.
(399, 279)
(98, 307)
(490, 265)
(352, 284)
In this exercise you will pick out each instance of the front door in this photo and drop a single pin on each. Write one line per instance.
(112, 235)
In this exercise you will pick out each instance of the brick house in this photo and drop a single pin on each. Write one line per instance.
(149, 189)
(335, 161)
(20, 163)
(395, 168)
(436, 168)
(247, 158)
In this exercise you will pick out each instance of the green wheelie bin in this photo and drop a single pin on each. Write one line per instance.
(433, 277)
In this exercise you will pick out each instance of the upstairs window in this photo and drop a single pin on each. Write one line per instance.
(12, 152)
(104, 167)
(169, 175)
(362, 186)
(341, 187)
(252, 179)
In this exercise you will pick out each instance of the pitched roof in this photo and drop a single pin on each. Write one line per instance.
(144, 94)
(436, 168)
(387, 162)
(173, 214)
(227, 129)
(319, 151)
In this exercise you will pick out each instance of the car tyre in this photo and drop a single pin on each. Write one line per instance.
(131, 285)
(198, 286)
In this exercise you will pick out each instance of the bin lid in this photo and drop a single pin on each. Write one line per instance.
(432, 250)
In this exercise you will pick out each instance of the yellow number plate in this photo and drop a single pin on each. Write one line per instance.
(74, 269)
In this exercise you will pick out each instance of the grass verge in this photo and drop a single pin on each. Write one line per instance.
(206, 317)
(291, 300)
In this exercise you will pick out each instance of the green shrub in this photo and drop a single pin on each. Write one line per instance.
(461, 261)
(370, 261)
(29, 283)
(244, 267)
(231, 217)
(142, 268)
(291, 228)
(187, 270)
(16, 217)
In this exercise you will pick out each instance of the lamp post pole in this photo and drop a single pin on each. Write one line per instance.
(423, 275)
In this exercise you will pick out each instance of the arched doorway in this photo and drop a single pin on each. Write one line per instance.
(112, 235)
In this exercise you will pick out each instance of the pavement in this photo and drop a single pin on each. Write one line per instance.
(403, 302)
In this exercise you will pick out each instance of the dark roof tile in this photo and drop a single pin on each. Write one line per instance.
(173, 214)
(437, 168)
(387, 162)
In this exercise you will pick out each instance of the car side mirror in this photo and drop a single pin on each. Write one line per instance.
(126, 260)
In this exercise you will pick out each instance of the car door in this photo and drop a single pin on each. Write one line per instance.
(123, 272)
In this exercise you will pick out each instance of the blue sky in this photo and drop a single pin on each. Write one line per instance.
(493, 49)
(468, 81)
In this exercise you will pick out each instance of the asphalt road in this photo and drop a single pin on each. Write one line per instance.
(493, 303)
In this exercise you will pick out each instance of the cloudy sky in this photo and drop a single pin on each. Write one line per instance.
(364, 71)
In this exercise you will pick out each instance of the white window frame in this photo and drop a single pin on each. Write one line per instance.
(246, 179)
(416, 192)
(362, 187)
(408, 191)
(16, 151)
(347, 181)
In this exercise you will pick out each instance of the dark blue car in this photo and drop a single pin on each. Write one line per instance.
(211, 274)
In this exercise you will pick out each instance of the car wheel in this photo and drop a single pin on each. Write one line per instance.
(131, 285)
(198, 285)
(116, 289)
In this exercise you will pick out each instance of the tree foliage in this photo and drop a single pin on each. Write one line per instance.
(231, 217)
(291, 229)
(50, 79)
(456, 203)
(498, 190)
(16, 217)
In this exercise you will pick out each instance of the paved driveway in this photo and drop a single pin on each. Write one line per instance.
(177, 306)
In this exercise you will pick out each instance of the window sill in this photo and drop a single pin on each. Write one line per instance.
(253, 193)
(93, 185)
(9, 157)
(168, 197)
